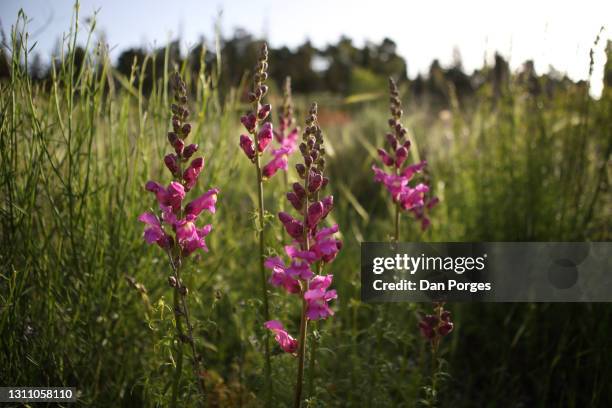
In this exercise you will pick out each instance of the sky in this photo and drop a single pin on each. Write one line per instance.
(552, 33)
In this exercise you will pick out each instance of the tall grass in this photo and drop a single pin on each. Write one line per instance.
(76, 151)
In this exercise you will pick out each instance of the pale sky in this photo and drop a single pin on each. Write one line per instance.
(558, 33)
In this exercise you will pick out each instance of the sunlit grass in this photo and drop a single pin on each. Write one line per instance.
(85, 303)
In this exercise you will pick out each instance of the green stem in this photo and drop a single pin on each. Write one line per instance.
(312, 363)
(313, 343)
(264, 288)
(396, 238)
(178, 352)
(301, 353)
(303, 320)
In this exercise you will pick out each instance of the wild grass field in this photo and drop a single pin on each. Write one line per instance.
(85, 302)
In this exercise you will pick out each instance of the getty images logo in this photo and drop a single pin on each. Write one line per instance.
(414, 264)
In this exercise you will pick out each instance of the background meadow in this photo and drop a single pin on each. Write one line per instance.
(513, 156)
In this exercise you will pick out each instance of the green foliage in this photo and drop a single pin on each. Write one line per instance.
(85, 303)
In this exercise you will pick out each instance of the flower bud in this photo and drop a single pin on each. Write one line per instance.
(432, 203)
(401, 155)
(179, 145)
(183, 290)
(172, 138)
(247, 146)
(186, 130)
(293, 227)
(190, 175)
(172, 281)
(384, 156)
(171, 162)
(299, 190)
(445, 328)
(190, 150)
(264, 137)
(303, 149)
(294, 200)
(249, 122)
(264, 111)
(392, 140)
(301, 170)
(314, 182)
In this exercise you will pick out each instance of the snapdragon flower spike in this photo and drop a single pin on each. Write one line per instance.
(313, 245)
(174, 229)
(287, 142)
(261, 132)
(168, 230)
(412, 199)
(288, 133)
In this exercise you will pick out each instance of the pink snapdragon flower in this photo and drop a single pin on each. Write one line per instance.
(171, 196)
(284, 339)
(154, 232)
(279, 275)
(205, 202)
(318, 297)
(278, 162)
